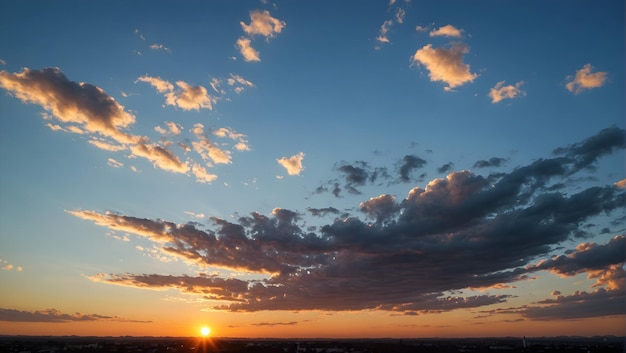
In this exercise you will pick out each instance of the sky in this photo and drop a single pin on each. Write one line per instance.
(312, 168)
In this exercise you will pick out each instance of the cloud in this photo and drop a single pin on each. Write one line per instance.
(262, 23)
(239, 83)
(55, 316)
(293, 164)
(445, 65)
(400, 13)
(186, 97)
(160, 157)
(412, 254)
(5, 265)
(446, 31)
(621, 184)
(202, 176)
(382, 34)
(207, 149)
(500, 92)
(246, 50)
(584, 79)
(113, 163)
(410, 163)
(157, 46)
(73, 103)
(492, 162)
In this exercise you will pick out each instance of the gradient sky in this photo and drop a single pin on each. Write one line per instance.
(312, 168)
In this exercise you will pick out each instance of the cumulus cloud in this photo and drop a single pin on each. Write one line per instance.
(293, 164)
(446, 31)
(413, 254)
(584, 79)
(202, 176)
(262, 23)
(186, 96)
(445, 65)
(500, 92)
(86, 109)
(246, 50)
(55, 316)
(72, 103)
(207, 149)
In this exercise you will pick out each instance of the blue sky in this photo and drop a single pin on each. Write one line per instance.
(336, 137)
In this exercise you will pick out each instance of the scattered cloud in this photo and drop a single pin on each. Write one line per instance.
(157, 46)
(584, 79)
(239, 83)
(262, 23)
(186, 96)
(399, 257)
(500, 92)
(113, 163)
(5, 265)
(422, 28)
(445, 65)
(246, 50)
(492, 162)
(55, 316)
(447, 31)
(202, 176)
(382, 33)
(293, 164)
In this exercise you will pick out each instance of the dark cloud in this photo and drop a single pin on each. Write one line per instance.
(54, 316)
(445, 168)
(587, 152)
(408, 165)
(492, 162)
(321, 212)
(409, 255)
(290, 323)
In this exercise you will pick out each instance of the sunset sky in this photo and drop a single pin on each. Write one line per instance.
(312, 168)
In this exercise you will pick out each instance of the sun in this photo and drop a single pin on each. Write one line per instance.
(205, 331)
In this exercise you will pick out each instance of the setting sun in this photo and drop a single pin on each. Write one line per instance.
(205, 331)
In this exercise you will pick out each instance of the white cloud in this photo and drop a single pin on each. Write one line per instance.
(186, 97)
(202, 176)
(262, 23)
(293, 164)
(422, 28)
(584, 79)
(445, 65)
(115, 164)
(157, 46)
(195, 215)
(447, 31)
(500, 92)
(239, 83)
(208, 150)
(246, 50)
(174, 128)
(161, 86)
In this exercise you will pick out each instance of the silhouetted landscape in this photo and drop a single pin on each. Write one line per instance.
(41, 344)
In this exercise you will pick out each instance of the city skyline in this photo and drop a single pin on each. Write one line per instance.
(312, 169)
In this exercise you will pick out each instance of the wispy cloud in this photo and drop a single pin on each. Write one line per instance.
(445, 65)
(55, 316)
(500, 92)
(584, 79)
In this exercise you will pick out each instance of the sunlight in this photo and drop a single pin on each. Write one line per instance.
(205, 331)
